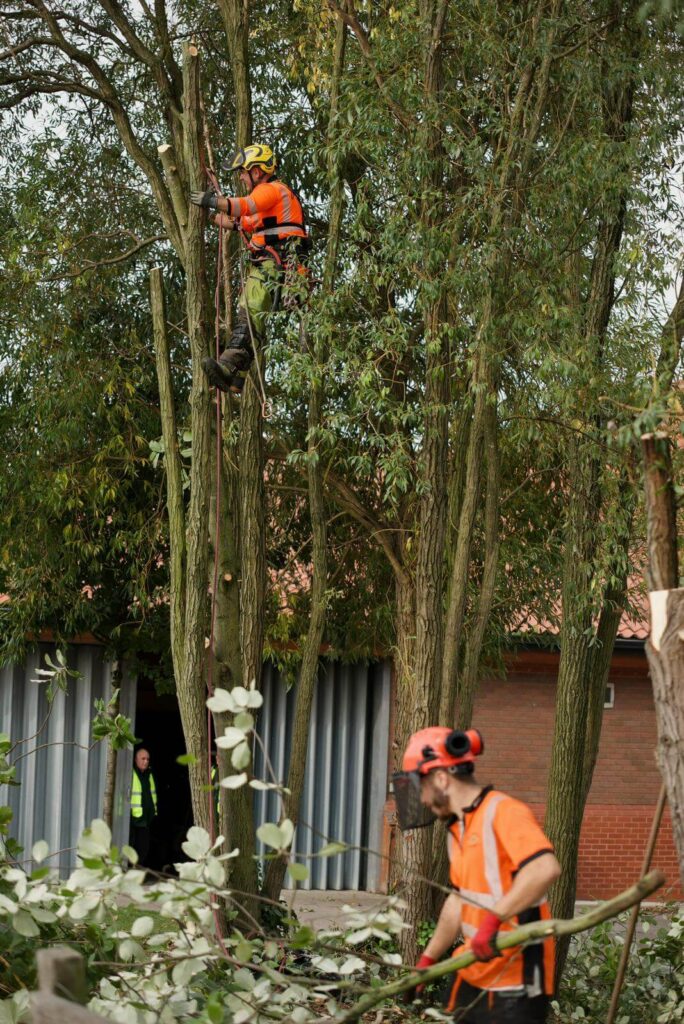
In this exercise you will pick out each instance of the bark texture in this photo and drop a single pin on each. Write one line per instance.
(665, 652)
(665, 647)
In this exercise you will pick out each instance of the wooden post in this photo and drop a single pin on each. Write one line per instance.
(61, 972)
(62, 986)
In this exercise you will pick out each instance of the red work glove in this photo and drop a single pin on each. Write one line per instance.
(483, 942)
(423, 961)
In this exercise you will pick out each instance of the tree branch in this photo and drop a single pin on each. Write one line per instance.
(110, 96)
(108, 261)
(379, 531)
(349, 17)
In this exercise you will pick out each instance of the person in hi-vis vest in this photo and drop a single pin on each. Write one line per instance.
(143, 805)
(501, 865)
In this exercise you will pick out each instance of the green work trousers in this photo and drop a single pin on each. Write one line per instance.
(259, 295)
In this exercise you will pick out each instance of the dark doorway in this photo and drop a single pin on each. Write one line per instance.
(158, 728)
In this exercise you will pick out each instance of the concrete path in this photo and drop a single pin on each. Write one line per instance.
(323, 909)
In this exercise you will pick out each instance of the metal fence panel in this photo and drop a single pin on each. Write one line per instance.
(346, 770)
(60, 771)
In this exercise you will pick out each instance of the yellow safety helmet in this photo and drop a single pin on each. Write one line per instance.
(251, 156)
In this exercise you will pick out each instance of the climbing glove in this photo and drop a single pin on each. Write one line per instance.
(483, 942)
(412, 993)
(206, 199)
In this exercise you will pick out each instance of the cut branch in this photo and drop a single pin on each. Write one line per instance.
(519, 936)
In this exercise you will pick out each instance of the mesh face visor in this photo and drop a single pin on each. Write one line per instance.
(410, 811)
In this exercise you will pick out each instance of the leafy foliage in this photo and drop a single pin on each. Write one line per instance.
(654, 985)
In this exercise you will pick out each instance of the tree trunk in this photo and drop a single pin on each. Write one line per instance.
(308, 671)
(413, 852)
(241, 589)
(458, 584)
(665, 652)
(566, 791)
(613, 603)
(476, 634)
(665, 648)
(191, 688)
(172, 465)
(110, 769)
(580, 685)
(235, 14)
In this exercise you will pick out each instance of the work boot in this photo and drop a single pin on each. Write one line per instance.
(229, 371)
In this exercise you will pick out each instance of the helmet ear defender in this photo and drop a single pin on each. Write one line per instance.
(459, 743)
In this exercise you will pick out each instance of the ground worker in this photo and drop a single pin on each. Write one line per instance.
(273, 218)
(143, 805)
(501, 865)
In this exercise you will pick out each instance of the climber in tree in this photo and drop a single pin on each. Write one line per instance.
(271, 220)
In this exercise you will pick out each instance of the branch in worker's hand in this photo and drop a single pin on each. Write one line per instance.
(519, 936)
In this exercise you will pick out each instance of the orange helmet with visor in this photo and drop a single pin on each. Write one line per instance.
(427, 750)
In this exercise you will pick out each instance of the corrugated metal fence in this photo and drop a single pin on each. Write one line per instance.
(346, 771)
(60, 770)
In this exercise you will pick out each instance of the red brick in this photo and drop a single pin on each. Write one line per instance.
(516, 717)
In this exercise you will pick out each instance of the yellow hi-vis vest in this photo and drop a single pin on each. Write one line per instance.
(136, 795)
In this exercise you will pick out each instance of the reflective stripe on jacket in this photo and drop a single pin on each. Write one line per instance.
(498, 836)
(270, 213)
(136, 795)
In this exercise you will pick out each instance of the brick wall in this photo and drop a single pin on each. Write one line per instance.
(516, 717)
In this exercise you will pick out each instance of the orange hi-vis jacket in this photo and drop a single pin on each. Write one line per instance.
(270, 213)
(497, 837)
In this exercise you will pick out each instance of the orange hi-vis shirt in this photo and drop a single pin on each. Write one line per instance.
(270, 213)
(497, 837)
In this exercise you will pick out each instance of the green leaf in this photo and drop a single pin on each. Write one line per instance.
(241, 757)
(188, 759)
(298, 872)
(40, 850)
(244, 950)
(332, 848)
(270, 835)
(215, 1011)
(244, 721)
(23, 923)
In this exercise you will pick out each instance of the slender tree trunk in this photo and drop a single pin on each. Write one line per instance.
(665, 648)
(113, 706)
(579, 684)
(432, 520)
(612, 607)
(172, 465)
(458, 583)
(240, 595)
(235, 14)
(476, 634)
(413, 850)
(192, 684)
(566, 785)
(308, 672)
